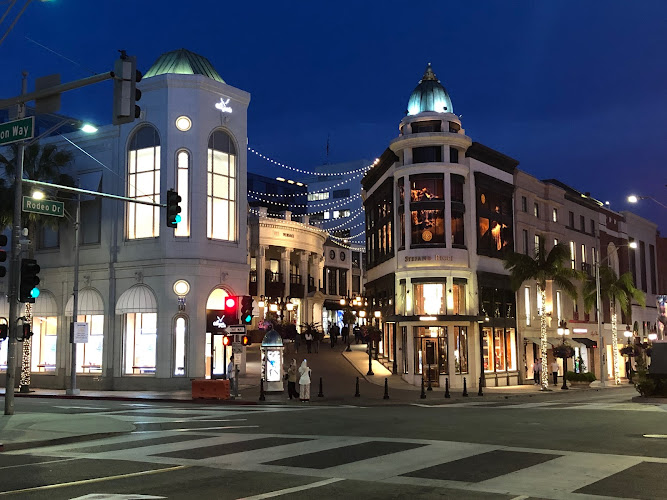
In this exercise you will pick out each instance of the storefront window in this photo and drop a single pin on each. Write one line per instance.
(182, 187)
(143, 183)
(503, 352)
(499, 349)
(458, 230)
(89, 356)
(494, 218)
(510, 349)
(3, 355)
(428, 227)
(459, 298)
(44, 344)
(140, 343)
(461, 349)
(427, 189)
(404, 350)
(486, 353)
(431, 349)
(221, 197)
(429, 298)
(180, 327)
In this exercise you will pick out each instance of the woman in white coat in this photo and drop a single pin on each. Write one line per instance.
(304, 382)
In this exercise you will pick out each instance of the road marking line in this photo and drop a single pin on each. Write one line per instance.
(657, 436)
(39, 463)
(520, 497)
(277, 493)
(94, 480)
(195, 429)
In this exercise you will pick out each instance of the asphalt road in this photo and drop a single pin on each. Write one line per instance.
(592, 445)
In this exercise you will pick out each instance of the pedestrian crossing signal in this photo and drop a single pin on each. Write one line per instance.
(246, 340)
(225, 340)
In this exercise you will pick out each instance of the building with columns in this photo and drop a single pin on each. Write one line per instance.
(438, 219)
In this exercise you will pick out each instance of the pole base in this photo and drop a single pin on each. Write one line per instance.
(25, 389)
(73, 392)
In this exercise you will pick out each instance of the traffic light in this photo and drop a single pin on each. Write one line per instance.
(246, 309)
(232, 310)
(26, 332)
(3, 255)
(125, 91)
(246, 340)
(28, 290)
(225, 340)
(173, 210)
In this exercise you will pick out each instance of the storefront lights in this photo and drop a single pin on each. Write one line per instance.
(183, 123)
(425, 318)
(378, 314)
(362, 314)
(652, 336)
(181, 288)
(273, 307)
(290, 306)
(627, 333)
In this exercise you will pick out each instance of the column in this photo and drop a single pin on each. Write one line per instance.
(261, 270)
(319, 279)
(303, 270)
(284, 269)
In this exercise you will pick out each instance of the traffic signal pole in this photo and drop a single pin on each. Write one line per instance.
(14, 274)
(73, 391)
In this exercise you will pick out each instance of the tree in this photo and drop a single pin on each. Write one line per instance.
(614, 289)
(40, 163)
(553, 266)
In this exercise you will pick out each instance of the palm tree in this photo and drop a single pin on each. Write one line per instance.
(553, 266)
(40, 163)
(613, 289)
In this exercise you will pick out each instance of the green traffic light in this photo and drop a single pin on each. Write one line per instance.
(248, 319)
(178, 219)
(34, 293)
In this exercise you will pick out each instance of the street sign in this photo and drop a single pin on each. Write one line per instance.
(18, 130)
(80, 332)
(45, 207)
(236, 329)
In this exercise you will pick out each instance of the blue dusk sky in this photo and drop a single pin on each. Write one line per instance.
(574, 90)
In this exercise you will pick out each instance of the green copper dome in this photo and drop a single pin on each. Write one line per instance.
(183, 62)
(429, 95)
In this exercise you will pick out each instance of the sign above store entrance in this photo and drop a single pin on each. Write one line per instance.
(223, 105)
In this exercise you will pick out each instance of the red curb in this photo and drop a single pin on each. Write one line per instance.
(127, 398)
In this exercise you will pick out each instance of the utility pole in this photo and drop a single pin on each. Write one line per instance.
(73, 391)
(14, 273)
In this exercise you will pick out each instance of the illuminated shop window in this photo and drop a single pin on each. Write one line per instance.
(182, 187)
(494, 222)
(89, 356)
(143, 183)
(221, 206)
(461, 350)
(140, 343)
(44, 337)
(429, 298)
(180, 331)
(499, 349)
(430, 344)
(526, 299)
(318, 196)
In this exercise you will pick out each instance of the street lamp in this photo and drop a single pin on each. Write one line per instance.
(563, 331)
(633, 198)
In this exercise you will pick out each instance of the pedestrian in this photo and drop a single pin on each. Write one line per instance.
(291, 380)
(304, 382)
(309, 340)
(554, 371)
(538, 370)
(231, 375)
(317, 336)
(344, 333)
(331, 336)
(357, 334)
(336, 331)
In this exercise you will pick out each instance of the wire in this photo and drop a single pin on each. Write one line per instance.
(59, 54)
(326, 174)
(15, 21)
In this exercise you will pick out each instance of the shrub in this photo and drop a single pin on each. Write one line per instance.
(581, 377)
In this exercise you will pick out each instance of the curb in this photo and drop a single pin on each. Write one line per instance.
(26, 445)
(642, 399)
(128, 398)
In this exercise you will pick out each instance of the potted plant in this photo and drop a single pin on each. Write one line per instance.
(563, 351)
(580, 379)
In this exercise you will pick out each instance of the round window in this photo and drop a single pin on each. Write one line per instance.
(342, 256)
(183, 123)
(332, 254)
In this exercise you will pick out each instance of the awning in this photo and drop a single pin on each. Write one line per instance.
(90, 181)
(585, 341)
(45, 305)
(90, 302)
(137, 299)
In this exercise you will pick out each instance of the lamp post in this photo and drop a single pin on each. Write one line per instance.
(628, 365)
(564, 331)
(633, 198)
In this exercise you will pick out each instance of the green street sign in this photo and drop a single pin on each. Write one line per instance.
(44, 207)
(17, 130)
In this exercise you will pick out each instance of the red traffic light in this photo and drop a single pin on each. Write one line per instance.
(230, 302)
(246, 340)
(225, 340)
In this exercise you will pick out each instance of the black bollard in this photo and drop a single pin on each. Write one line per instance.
(429, 388)
(447, 395)
(480, 392)
(423, 394)
(320, 394)
(356, 394)
(261, 390)
(465, 388)
(386, 388)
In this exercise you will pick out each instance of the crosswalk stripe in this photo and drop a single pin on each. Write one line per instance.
(294, 489)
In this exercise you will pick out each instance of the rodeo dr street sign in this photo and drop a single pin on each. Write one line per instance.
(45, 207)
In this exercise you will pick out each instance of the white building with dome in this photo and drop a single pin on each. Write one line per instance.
(438, 219)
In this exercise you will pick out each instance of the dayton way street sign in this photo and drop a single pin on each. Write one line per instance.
(45, 207)
(17, 130)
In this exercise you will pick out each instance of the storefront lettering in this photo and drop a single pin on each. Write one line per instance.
(288, 235)
(223, 105)
(422, 258)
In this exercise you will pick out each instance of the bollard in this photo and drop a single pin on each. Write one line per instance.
(321, 394)
(356, 394)
(480, 392)
(423, 394)
(386, 388)
(465, 388)
(447, 395)
(261, 390)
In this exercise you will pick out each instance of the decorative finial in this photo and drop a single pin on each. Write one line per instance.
(428, 74)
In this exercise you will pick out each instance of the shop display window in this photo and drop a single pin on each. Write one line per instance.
(140, 343)
(89, 356)
(429, 298)
(426, 188)
(461, 349)
(180, 330)
(430, 345)
(459, 298)
(44, 340)
(428, 227)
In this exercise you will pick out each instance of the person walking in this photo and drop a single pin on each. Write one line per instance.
(309, 340)
(317, 336)
(539, 370)
(344, 333)
(297, 341)
(304, 382)
(231, 375)
(292, 372)
(336, 331)
(554, 371)
(536, 373)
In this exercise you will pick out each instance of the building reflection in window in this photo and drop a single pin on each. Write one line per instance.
(140, 343)
(89, 356)
(44, 344)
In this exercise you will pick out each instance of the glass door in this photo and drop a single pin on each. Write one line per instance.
(429, 356)
(218, 356)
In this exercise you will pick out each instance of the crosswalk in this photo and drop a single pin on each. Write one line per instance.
(462, 466)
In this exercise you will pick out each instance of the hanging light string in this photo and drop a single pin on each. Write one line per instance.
(292, 195)
(329, 204)
(353, 215)
(349, 237)
(362, 169)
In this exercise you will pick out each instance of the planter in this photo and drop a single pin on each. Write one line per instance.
(580, 384)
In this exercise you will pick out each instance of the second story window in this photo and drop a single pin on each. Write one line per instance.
(536, 210)
(524, 204)
(221, 203)
(571, 220)
(427, 154)
(143, 183)
(182, 186)
(554, 215)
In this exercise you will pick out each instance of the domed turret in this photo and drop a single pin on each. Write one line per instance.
(429, 95)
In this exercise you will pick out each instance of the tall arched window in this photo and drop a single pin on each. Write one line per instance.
(143, 183)
(182, 187)
(221, 194)
(180, 336)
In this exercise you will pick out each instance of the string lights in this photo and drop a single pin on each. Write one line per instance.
(330, 205)
(319, 174)
(293, 195)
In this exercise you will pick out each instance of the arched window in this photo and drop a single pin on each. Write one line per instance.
(182, 187)
(180, 336)
(221, 195)
(143, 183)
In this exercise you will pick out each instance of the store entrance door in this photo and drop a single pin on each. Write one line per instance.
(429, 349)
(218, 356)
